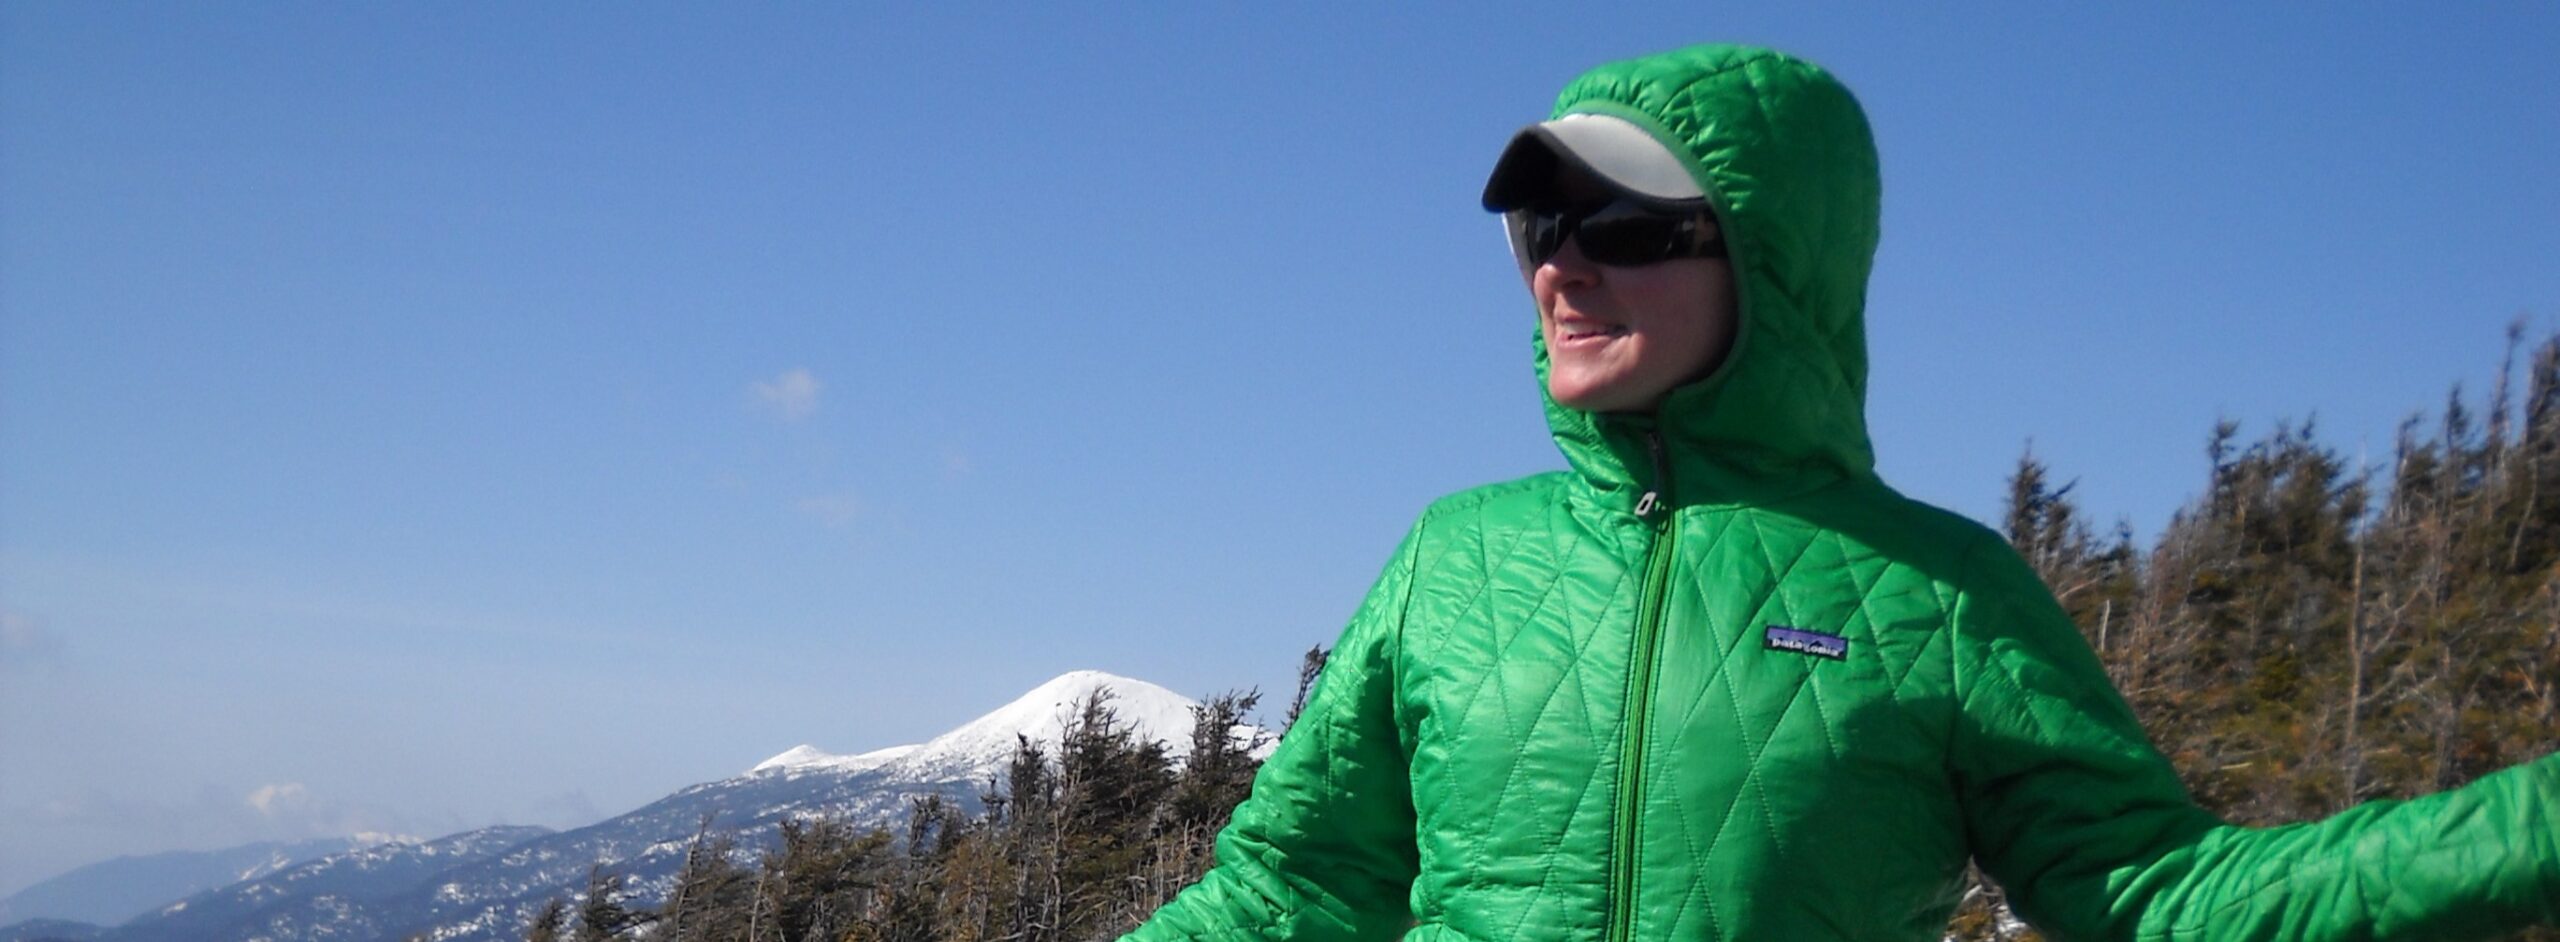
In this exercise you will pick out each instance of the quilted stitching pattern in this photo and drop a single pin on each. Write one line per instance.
(1501, 724)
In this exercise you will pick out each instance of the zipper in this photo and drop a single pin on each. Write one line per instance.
(1654, 497)
(1640, 671)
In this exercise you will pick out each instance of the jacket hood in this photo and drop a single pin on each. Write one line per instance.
(1786, 159)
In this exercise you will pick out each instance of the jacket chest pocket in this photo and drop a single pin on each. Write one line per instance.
(1790, 733)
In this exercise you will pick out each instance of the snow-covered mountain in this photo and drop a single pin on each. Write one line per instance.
(983, 745)
(485, 885)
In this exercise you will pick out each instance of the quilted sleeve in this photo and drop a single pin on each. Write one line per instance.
(2069, 807)
(1324, 848)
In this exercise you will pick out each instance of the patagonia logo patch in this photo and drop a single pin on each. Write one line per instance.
(1800, 641)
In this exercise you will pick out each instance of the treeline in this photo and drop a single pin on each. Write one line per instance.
(1081, 839)
(2317, 629)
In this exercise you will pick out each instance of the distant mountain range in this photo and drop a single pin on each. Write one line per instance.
(120, 889)
(485, 884)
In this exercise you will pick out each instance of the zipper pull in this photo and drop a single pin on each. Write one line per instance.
(1658, 494)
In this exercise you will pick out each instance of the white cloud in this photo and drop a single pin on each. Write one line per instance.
(792, 395)
(834, 510)
(289, 811)
(274, 800)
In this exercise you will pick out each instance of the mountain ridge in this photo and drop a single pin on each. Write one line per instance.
(111, 891)
(485, 885)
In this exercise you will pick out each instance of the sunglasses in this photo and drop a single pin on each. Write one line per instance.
(1618, 234)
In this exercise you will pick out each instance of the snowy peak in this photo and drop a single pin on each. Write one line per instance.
(983, 745)
(987, 742)
(806, 757)
(801, 756)
(1043, 713)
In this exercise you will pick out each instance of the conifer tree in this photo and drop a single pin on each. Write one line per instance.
(548, 921)
(1219, 772)
(713, 896)
(1112, 785)
(1309, 667)
(604, 915)
(821, 881)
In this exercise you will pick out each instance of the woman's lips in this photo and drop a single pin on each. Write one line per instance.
(1583, 332)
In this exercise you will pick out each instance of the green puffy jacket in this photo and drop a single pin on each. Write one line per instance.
(1788, 703)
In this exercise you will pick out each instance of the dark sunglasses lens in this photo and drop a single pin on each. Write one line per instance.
(1632, 240)
(1536, 234)
(1617, 234)
(1546, 234)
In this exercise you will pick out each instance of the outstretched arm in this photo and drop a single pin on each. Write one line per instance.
(2089, 829)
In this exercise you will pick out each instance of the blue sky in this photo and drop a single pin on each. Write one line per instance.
(415, 417)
